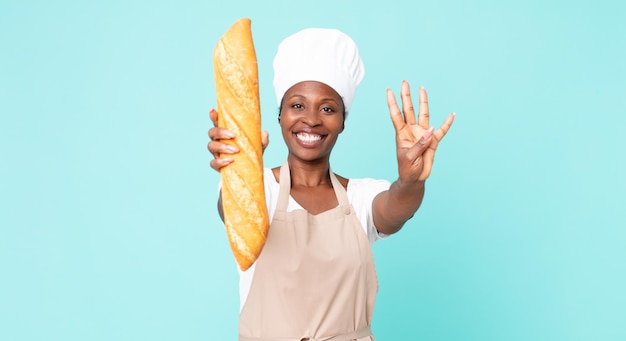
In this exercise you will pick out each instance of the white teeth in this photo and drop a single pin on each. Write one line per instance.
(308, 137)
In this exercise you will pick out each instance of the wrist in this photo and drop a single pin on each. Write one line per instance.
(411, 184)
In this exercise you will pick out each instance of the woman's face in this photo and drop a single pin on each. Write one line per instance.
(311, 119)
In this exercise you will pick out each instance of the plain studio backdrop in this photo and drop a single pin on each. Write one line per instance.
(108, 223)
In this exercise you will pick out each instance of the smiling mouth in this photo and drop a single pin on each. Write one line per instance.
(308, 138)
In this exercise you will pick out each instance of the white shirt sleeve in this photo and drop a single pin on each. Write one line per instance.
(361, 193)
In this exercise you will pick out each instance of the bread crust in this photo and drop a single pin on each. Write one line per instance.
(243, 195)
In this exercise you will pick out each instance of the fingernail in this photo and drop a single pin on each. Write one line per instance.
(232, 149)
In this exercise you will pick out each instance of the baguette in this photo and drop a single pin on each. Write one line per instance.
(243, 195)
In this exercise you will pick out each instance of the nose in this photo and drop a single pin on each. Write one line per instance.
(311, 117)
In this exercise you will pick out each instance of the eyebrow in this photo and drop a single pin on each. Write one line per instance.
(296, 95)
(325, 99)
(330, 99)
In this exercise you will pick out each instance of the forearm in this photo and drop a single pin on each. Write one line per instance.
(397, 205)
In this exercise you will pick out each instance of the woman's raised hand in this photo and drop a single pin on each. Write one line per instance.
(221, 150)
(416, 142)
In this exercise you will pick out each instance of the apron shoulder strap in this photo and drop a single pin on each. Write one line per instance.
(340, 192)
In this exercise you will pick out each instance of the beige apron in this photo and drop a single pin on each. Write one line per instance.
(315, 279)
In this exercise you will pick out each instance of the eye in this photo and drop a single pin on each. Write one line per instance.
(328, 109)
(297, 106)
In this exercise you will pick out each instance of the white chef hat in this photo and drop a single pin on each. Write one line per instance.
(325, 55)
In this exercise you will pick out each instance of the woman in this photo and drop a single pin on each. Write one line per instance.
(315, 279)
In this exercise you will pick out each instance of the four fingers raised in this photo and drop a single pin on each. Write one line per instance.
(424, 149)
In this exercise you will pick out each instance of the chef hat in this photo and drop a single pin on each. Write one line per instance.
(328, 56)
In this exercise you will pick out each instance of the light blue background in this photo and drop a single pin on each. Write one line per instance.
(107, 208)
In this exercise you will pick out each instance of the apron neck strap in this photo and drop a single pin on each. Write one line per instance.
(285, 188)
(340, 192)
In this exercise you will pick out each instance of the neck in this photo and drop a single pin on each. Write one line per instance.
(309, 174)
